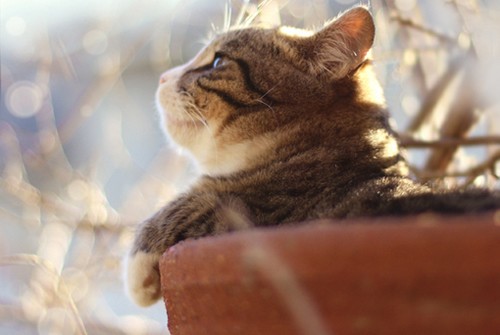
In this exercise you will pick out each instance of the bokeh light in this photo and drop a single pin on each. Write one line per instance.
(95, 42)
(15, 26)
(24, 99)
(405, 5)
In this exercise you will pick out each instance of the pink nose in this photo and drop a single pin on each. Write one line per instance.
(163, 78)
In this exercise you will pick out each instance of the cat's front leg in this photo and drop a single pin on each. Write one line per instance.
(143, 277)
(189, 216)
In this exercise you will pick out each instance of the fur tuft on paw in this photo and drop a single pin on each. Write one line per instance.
(142, 278)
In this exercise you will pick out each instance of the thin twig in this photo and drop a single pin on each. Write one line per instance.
(408, 141)
(488, 165)
(278, 274)
(419, 27)
(461, 117)
(436, 93)
(34, 260)
(471, 173)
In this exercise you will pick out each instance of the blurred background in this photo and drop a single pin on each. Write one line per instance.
(83, 160)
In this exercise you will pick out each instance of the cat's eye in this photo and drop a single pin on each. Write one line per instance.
(218, 61)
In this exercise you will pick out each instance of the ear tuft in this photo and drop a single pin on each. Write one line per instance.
(343, 44)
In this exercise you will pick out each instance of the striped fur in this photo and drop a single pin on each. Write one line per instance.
(287, 125)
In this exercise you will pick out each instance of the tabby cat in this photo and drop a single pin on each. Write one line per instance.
(287, 125)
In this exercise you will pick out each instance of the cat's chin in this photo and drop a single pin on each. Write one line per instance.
(186, 132)
(173, 123)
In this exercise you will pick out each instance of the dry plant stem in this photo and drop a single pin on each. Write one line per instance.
(59, 285)
(435, 94)
(9, 311)
(408, 141)
(100, 87)
(462, 116)
(489, 165)
(28, 194)
(470, 6)
(274, 270)
(419, 78)
(15, 312)
(411, 24)
(405, 35)
(471, 174)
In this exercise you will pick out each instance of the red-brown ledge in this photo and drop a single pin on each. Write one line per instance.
(416, 275)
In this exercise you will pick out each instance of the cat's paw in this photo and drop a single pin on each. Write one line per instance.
(143, 278)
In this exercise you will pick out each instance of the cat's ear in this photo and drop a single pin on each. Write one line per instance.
(342, 45)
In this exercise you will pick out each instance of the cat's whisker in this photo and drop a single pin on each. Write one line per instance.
(251, 18)
(199, 114)
(228, 13)
(200, 119)
(269, 107)
(241, 14)
(196, 119)
(190, 106)
(187, 104)
(193, 120)
(324, 68)
(269, 90)
(261, 101)
(214, 31)
(196, 113)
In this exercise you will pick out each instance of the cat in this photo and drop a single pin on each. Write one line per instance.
(287, 125)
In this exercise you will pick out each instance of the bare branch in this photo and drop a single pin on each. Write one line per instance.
(419, 27)
(471, 174)
(408, 141)
(434, 96)
(34, 260)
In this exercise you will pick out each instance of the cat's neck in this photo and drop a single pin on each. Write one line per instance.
(223, 159)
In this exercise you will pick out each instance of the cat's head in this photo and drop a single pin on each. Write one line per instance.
(233, 100)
